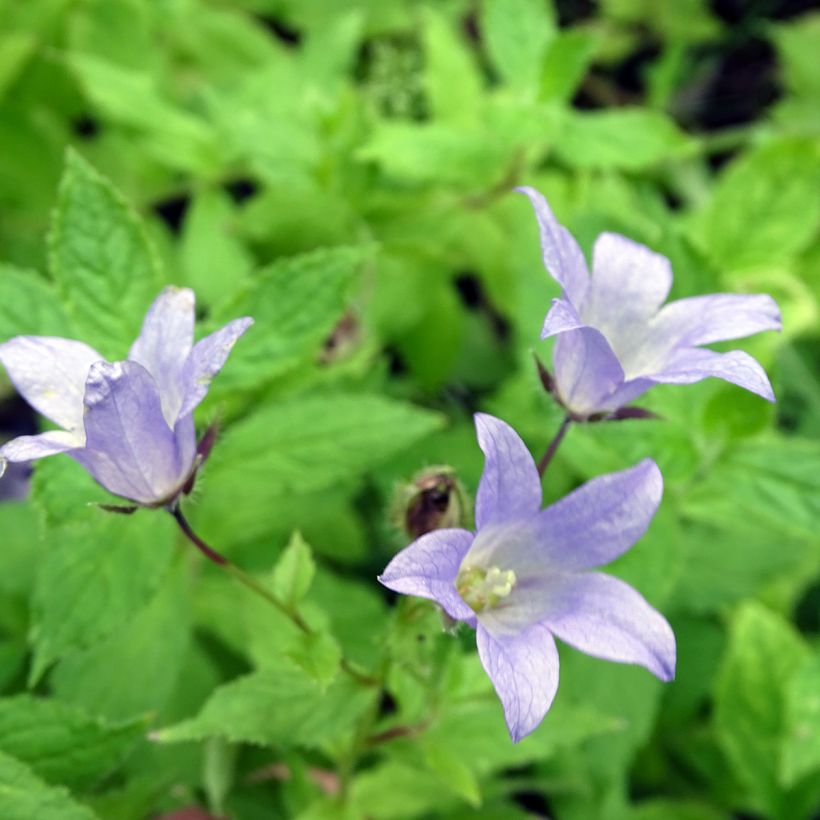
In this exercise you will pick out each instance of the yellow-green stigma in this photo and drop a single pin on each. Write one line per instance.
(482, 589)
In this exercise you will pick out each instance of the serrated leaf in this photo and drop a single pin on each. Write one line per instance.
(177, 138)
(24, 796)
(619, 139)
(517, 33)
(29, 305)
(283, 708)
(294, 571)
(63, 744)
(106, 271)
(134, 670)
(451, 77)
(302, 446)
(437, 153)
(764, 653)
(565, 63)
(801, 740)
(765, 208)
(295, 303)
(94, 579)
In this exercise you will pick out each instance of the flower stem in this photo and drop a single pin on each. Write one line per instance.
(259, 589)
(550, 452)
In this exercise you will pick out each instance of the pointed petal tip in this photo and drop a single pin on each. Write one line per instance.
(3, 464)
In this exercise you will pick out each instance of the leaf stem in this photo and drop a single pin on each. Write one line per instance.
(553, 446)
(259, 589)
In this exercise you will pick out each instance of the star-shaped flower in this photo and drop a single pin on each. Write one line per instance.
(615, 340)
(129, 423)
(523, 576)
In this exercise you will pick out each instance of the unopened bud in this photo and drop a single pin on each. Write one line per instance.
(433, 500)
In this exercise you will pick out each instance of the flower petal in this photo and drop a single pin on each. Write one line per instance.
(587, 371)
(524, 672)
(562, 256)
(562, 317)
(600, 520)
(428, 568)
(737, 367)
(607, 618)
(629, 282)
(130, 449)
(510, 487)
(30, 448)
(50, 373)
(719, 317)
(164, 344)
(206, 360)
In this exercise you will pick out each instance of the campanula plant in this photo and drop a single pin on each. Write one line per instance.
(524, 576)
(129, 423)
(615, 339)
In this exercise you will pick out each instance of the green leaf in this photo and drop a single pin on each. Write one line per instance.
(624, 139)
(295, 303)
(797, 44)
(135, 669)
(29, 305)
(283, 707)
(439, 154)
(294, 571)
(106, 271)
(451, 78)
(565, 64)
(129, 97)
(801, 741)
(94, 579)
(764, 653)
(214, 260)
(765, 208)
(23, 796)
(63, 744)
(517, 33)
(301, 446)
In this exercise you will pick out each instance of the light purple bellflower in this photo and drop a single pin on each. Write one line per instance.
(129, 423)
(616, 339)
(523, 576)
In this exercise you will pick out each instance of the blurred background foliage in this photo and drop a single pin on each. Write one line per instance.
(342, 171)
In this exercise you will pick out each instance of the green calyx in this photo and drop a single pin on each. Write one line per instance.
(483, 589)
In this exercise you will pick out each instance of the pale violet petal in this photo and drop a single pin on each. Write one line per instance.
(587, 372)
(605, 617)
(510, 487)
(164, 343)
(629, 283)
(428, 568)
(562, 256)
(50, 373)
(524, 671)
(600, 520)
(30, 448)
(718, 317)
(206, 360)
(130, 449)
(736, 366)
(561, 318)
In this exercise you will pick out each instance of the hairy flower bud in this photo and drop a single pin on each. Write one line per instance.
(433, 500)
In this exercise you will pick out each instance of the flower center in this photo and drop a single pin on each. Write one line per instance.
(482, 589)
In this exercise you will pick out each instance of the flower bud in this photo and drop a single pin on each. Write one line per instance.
(433, 500)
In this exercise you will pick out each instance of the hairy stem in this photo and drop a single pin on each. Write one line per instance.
(259, 589)
(550, 452)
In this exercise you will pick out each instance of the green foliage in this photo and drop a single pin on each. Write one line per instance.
(342, 173)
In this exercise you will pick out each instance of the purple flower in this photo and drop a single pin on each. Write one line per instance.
(522, 577)
(614, 338)
(130, 423)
